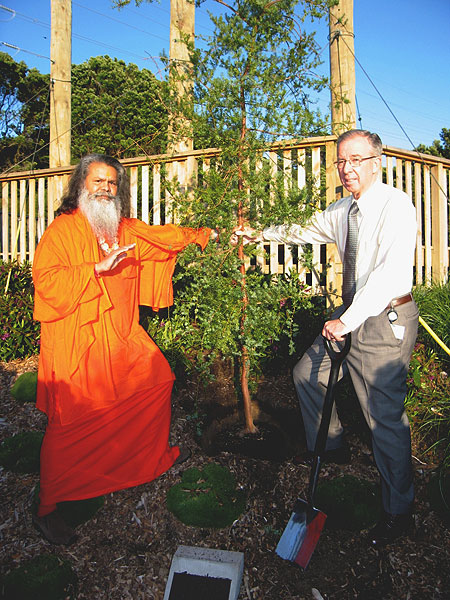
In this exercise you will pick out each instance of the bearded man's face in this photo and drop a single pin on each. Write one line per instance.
(98, 200)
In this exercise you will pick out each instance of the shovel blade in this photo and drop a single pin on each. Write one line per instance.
(301, 534)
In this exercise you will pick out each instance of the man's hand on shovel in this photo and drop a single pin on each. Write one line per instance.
(334, 330)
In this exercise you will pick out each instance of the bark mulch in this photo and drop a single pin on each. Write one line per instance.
(125, 551)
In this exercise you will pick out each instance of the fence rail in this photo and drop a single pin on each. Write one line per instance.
(29, 200)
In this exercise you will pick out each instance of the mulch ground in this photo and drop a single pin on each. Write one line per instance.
(125, 551)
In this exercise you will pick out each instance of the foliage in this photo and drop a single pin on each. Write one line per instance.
(250, 87)
(206, 498)
(427, 404)
(434, 307)
(254, 79)
(205, 323)
(21, 453)
(117, 109)
(44, 576)
(439, 494)
(24, 115)
(438, 147)
(24, 388)
(19, 334)
(349, 502)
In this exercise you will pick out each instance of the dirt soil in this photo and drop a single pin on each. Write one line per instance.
(125, 551)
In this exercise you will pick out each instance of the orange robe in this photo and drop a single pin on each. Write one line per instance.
(103, 383)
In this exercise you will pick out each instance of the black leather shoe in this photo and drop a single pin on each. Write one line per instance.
(338, 456)
(390, 528)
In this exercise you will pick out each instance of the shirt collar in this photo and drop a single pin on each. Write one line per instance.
(369, 202)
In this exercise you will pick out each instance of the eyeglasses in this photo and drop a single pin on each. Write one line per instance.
(353, 162)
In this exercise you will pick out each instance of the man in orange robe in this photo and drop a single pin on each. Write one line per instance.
(103, 383)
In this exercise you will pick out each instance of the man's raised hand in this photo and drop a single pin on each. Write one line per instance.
(111, 261)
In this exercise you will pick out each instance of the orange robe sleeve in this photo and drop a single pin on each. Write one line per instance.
(158, 246)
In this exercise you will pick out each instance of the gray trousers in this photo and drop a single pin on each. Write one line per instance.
(378, 364)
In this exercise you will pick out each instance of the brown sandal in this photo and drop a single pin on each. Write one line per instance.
(54, 528)
(185, 453)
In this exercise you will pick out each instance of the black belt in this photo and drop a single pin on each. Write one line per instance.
(400, 300)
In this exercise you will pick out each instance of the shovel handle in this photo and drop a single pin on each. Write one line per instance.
(336, 357)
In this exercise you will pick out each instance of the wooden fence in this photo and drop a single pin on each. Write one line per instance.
(29, 200)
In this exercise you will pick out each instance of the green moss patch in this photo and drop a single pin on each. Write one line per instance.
(21, 453)
(24, 388)
(206, 498)
(45, 576)
(349, 503)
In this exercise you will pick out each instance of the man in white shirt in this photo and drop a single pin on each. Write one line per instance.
(379, 311)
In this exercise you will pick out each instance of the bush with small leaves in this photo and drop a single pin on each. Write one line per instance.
(21, 453)
(19, 333)
(45, 576)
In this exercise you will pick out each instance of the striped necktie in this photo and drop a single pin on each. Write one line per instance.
(351, 247)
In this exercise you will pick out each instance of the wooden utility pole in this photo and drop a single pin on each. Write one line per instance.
(342, 67)
(182, 29)
(60, 82)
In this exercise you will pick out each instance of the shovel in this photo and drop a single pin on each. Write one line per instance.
(302, 533)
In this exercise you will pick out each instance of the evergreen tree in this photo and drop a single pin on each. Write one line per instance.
(24, 115)
(439, 147)
(117, 109)
(251, 86)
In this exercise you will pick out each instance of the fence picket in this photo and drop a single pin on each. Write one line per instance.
(28, 207)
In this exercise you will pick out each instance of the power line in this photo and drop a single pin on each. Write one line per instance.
(79, 36)
(86, 39)
(121, 22)
(23, 50)
(10, 10)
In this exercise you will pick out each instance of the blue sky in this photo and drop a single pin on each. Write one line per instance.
(401, 45)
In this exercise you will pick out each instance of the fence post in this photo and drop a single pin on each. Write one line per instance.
(439, 224)
(333, 192)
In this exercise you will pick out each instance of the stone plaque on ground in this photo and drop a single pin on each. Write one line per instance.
(197, 573)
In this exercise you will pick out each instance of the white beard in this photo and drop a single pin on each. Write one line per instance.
(103, 215)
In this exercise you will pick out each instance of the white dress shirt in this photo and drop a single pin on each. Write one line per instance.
(386, 245)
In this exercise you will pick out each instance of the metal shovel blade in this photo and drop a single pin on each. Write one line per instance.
(301, 534)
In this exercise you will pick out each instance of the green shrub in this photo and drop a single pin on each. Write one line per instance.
(206, 498)
(349, 502)
(205, 323)
(21, 453)
(428, 404)
(24, 388)
(434, 308)
(44, 577)
(439, 494)
(19, 333)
